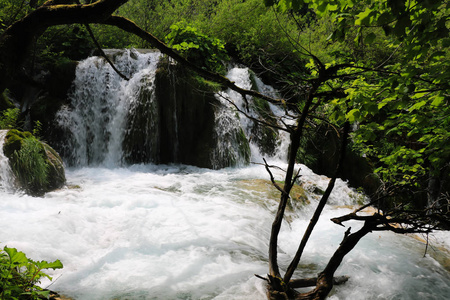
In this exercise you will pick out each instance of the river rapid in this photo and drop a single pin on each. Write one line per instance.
(180, 232)
(166, 232)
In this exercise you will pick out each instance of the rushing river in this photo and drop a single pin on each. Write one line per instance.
(179, 232)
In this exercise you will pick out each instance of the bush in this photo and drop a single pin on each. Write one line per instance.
(9, 118)
(198, 48)
(30, 164)
(19, 275)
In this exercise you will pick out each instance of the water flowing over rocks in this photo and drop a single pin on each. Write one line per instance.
(6, 176)
(143, 222)
(163, 114)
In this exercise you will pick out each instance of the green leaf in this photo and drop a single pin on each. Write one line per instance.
(16, 257)
(353, 115)
(418, 105)
(437, 100)
(363, 18)
(49, 265)
(370, 38)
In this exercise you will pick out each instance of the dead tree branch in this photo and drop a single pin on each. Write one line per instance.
(319, 209)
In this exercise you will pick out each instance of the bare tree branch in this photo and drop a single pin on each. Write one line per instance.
(131, 27)
(319, 209)
(272, 178)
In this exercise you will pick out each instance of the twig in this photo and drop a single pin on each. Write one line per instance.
(272, 178)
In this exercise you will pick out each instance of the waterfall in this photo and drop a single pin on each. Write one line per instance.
(6, 175)
(176, 231)
(258, 136)
(111, 121)
(100, 102)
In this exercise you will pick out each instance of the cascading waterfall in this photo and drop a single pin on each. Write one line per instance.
(233, 101)
(101, 101)
(109, 117)
(174, 231)
(6, 175)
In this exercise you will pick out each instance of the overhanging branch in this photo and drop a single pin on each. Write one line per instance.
(131, 27)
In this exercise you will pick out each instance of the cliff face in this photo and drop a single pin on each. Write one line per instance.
(173, 122)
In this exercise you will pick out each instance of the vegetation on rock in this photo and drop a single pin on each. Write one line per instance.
(37, 168)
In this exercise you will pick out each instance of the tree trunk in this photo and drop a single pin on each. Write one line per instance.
(325, 279)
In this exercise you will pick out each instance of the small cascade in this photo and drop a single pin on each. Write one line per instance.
(159, 117)
(263, 141)
(100, 103)
(6, 174)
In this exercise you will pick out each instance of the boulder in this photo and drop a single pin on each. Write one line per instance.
(37, 167)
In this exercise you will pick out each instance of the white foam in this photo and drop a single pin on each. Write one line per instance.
(179, 232)
(6, 174)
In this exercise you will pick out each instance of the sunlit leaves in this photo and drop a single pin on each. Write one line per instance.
(206, 51)
(364, 17)
(19, 275)
(437, 100)
(398, 101)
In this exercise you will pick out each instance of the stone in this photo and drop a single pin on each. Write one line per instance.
(45, 162)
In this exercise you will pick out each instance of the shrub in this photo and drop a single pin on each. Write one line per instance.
(9, 118)
(209, 52)
(19, 275)
(30, 164)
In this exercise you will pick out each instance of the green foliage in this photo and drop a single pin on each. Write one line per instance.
(9, 118)
(37, 129)
(29, 164)
(63, 43)
(250, 31)
(390, 78)
(5, 101)
(14, 10)
(255, 34)
(19, 275)
(208, 52)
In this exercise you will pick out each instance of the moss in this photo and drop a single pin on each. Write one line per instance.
(5, 101)
(37, 167)
(264, 136)
(14, 140)
(56, 175)
(263, 108)
(243, 146)
(206, 85)
(298, 194)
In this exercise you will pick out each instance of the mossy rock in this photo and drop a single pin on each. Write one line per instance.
(37, 167)
(5, 101)
(266, 187)
(13, 141)
(264, 136)
(56, 177)
(243, 147)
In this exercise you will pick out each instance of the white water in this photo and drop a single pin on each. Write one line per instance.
(179, 232)
(101, 100)
(6, 175)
